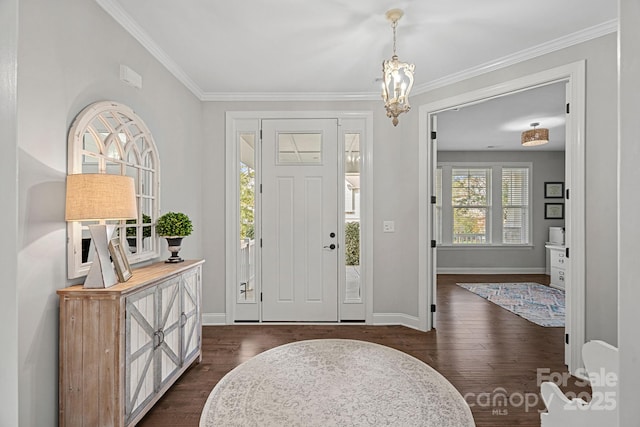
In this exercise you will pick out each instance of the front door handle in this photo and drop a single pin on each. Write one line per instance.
(331, 246)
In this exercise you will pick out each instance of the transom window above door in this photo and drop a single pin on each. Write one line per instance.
(299, 148)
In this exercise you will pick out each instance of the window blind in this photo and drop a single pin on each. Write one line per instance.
(515, 205)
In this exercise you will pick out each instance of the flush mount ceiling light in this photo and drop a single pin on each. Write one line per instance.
(533, 137)
(397, 77)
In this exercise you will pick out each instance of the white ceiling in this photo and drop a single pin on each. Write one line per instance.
(333, 49)
(497, 124)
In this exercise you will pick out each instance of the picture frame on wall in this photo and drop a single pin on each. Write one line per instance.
(120, 261)
(554, 211)
(554, 190)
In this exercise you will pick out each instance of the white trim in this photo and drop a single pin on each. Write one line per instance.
(214, 319)
(366, 220)
(460, 246)
(131, 26)
(231, 196)
(290, 96)
(380, 319)
(491, 270)
(574, 74)
(231, 214)
(494, 206)
(569, 40)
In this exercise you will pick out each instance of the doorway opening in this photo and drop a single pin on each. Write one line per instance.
(574, 76)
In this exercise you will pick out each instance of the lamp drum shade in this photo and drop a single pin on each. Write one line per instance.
(536, 136)
(93, 197)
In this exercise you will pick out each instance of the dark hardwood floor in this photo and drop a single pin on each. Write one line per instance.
(489, 354)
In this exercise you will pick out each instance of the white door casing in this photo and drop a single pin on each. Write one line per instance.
(433, 261)
(299, 224)
(575, 225)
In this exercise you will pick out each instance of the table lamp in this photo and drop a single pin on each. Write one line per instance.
(100, 197)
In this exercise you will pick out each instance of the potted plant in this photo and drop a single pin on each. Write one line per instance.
(132, 232)
(174, 226)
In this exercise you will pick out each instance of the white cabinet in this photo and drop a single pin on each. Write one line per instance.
(122, 347)
(557, 265)
(162, 334)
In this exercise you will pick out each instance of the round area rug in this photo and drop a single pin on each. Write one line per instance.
(335, 383)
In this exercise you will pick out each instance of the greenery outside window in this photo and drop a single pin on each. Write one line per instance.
(483, 204)
(471, 205)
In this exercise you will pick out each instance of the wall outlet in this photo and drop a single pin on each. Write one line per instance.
(388, 226)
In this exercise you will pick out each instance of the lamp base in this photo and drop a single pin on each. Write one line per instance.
(101, 274)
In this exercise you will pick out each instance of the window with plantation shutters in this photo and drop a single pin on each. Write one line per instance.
(470, 200)
(515, 205)
(485, 204)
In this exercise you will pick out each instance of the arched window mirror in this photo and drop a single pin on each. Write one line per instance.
(108, 137)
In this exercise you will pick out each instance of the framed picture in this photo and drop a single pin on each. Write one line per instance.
(553, 211)
(553, 190)
(120, 261)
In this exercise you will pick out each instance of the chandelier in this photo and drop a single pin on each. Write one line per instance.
(535, 136)
(397, 77)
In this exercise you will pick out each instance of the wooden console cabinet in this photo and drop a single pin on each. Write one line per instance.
(122, 347)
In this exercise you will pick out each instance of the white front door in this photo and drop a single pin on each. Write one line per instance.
(299, 220)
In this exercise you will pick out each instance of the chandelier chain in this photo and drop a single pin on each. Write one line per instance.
(394, 25)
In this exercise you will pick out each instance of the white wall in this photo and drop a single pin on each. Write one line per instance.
(395, 279)
(547, 166)
(69, 54)
(629, 205)
(601, 163)
(8, 213)
(395, 154)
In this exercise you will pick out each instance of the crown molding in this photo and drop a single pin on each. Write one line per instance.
(130, 25)
(582, 36)
(290, 96)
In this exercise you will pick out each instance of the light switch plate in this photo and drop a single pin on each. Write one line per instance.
(388, 226)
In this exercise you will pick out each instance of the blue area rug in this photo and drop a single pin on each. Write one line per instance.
(542, 305)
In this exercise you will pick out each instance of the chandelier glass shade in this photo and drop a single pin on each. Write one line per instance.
(535, 136)
(397, 77)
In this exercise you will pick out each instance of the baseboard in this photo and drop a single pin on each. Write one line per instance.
(491, 270)
(209, 319)
(217, 319)
(396, 319)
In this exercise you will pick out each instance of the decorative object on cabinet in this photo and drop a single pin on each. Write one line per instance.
(553, 211)
(119, 258)
(174, 226)
(107, 137)
(554, 190)
(100, 197)
(121, 348)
